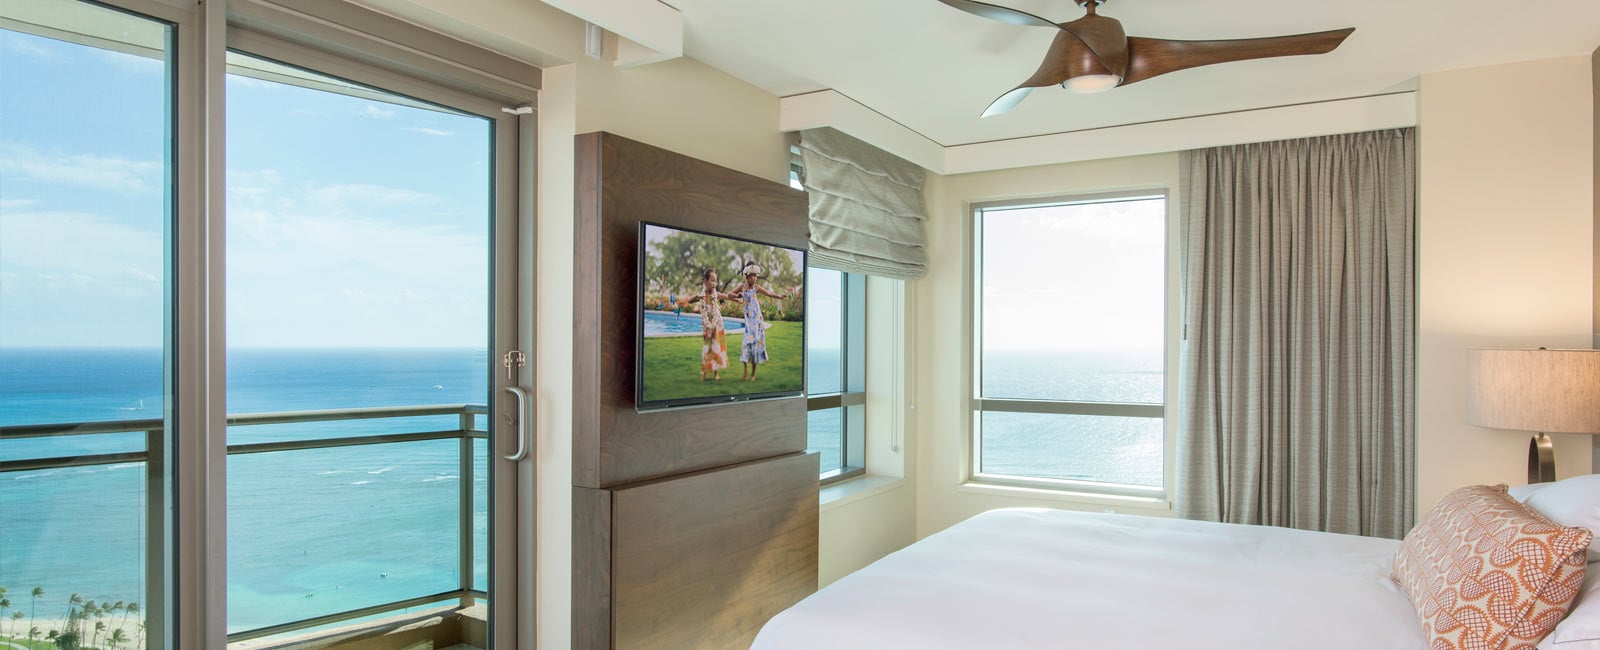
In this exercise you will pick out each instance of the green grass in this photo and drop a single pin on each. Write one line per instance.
(672, 366)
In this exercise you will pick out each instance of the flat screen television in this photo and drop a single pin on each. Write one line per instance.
(721, 319)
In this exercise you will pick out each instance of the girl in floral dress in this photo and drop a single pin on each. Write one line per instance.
(754, 350)
(713, 338)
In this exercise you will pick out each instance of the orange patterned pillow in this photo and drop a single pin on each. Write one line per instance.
(1487, 573)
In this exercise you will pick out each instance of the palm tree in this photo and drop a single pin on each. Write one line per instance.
(99, 626)
(117, 637)
(33, 632)
(132, 608)
(5, 604)
(16, 619)
(38, 592)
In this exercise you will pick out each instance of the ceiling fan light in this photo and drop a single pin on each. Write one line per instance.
(1086, 84)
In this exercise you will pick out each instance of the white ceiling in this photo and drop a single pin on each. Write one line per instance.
(934, 69)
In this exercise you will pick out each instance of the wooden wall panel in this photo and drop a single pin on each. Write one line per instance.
(591, 568)
(702, 561)
(620, 183)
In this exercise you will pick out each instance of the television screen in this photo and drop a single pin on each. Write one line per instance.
(720, 319)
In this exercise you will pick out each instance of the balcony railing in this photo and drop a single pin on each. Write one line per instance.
(154, 458)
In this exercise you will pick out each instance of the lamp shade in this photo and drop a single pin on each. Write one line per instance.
(1547, 391)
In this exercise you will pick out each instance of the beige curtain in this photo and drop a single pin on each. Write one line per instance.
(866, 206)
(1298, 382)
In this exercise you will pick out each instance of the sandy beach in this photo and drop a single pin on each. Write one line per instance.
(18, 629)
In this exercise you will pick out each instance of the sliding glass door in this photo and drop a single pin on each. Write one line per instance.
(362, 360)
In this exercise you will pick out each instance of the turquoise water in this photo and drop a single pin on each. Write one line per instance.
(309, 532)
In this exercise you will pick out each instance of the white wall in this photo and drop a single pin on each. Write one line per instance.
(1505, 252)
(940, 315)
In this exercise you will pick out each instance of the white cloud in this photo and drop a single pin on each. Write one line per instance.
(352, 265)
(79, 169)
(427, 131)
(377, 112)
(13, 204)
(356, 196)
(72, 278)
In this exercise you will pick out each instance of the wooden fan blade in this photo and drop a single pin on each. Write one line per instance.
(997, 12)
(1008, 101)
(1151, 57)
(1069, 56)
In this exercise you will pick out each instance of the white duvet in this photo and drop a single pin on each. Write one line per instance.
(1032, 578)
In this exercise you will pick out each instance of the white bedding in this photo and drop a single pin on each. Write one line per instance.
(1033, 578)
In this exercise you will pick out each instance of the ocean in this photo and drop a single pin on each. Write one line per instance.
(309, 532)
(321, 531)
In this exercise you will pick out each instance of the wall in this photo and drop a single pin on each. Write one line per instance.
(940, 314)
(1505, 252)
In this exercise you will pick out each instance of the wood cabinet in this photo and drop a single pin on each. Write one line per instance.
(697, 561)
(692, 526)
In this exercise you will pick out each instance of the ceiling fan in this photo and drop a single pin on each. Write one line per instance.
(1092, 54)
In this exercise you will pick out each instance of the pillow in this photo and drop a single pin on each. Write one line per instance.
(1581, 629)
(1572, 502)
(1487, 572)
(1522, 492)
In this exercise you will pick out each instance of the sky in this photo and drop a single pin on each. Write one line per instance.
(350, 222)
(1075, 277)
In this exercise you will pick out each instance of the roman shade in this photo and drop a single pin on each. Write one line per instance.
(866, 206)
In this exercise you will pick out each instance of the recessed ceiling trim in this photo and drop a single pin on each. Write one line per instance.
(1396, 110)
(831, 108)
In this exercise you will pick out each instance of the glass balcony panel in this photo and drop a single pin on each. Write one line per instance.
(71, 536)
(324, 531)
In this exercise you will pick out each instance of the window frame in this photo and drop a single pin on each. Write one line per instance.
(978, 404)
(852, 398)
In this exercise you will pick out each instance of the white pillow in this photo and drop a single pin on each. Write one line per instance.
(1581, 629)
(1572, 502)
(1522, 492)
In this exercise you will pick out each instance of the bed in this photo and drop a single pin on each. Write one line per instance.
(1035, 578)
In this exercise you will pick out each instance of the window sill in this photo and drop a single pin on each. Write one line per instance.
(856, 489)
(1080, 500)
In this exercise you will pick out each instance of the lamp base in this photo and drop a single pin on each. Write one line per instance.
(1541, 459)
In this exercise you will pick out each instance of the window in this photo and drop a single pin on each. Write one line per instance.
(836, 371)
(167, 414)
(86, 336)
(1070, 360)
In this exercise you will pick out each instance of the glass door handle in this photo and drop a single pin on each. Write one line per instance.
(521, 426)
